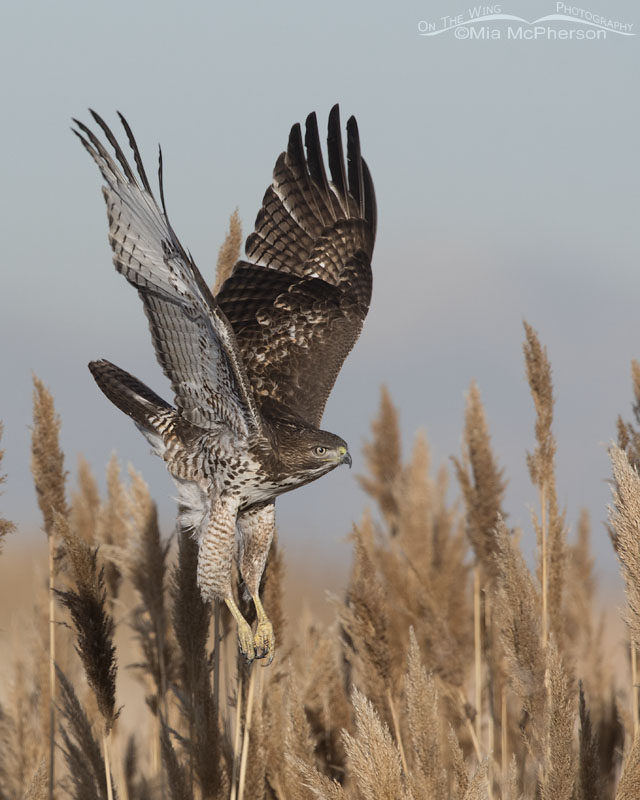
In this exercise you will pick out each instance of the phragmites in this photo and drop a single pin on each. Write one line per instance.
(449, 669)
(373, 756)
(49, 477)
(146, 560)
(383, 455)
(82, 753)
(365, 619)
(86, 600)
(625, 518)
(628, 435)
(229, 252)
(47, 458)
(424, 717)
(517, 610)
(550, 524)
(482, 483)
(6, 527)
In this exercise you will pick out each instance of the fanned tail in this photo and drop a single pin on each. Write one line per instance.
(131, 396)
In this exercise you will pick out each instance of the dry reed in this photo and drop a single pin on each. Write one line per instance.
(449, 671)
(6, 527)
(550, 525)
(383, 457)
(229, 252)
(49, 477)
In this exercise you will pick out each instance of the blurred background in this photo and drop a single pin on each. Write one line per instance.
(508, 183)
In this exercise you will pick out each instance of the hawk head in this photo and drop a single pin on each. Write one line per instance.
(309, 453)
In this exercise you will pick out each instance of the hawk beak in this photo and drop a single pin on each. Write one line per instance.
(346, 457)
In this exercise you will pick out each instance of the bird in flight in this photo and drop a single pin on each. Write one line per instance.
(251, 368)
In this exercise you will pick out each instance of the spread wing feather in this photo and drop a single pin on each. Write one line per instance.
(298, 304)
(194, 342)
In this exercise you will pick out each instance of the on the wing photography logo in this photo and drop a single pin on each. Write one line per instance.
(568, 22)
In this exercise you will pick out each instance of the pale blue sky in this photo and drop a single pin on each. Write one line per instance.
(508, 184)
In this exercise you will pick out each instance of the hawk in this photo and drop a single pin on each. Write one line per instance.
(252, 368)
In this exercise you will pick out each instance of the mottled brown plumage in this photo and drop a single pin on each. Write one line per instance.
(251, 370)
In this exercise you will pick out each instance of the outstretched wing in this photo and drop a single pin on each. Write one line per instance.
(298, 305)
(194, 343)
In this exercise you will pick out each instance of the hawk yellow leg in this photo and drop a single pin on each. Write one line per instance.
(264, 639)
(246, 644)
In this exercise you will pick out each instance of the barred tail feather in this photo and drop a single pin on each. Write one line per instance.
(144, 407)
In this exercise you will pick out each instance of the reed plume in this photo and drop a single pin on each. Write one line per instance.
(550, 525)
(47, 458)
(148, 571)
(373, 758)
(6, 527)
(482, 483)
(88, 774)
(624, 517)
(85, 503)
(429, 775)
(518, 619)
(589, 785)
(229, 251)
(86, 601)
(383, 458)
(113, 527)
(628, 434)
(49, 476)
(365, 620)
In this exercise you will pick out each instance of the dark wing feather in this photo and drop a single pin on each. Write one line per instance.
(298, 307)
(194, 342)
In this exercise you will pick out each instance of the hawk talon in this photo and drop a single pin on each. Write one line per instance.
(265, 641)
(246, 644)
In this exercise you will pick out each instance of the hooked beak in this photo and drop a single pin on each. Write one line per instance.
(346, 456)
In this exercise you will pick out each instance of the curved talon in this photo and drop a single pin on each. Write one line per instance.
(246, 643)
(245, 634)
(265, 641)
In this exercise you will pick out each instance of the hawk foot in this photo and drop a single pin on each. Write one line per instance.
(260, 645)
(264, 641)
(246, 644)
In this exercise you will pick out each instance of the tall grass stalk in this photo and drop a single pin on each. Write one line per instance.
(246, 733)
(47, 467)
(477, 649)
(635, 688)
(544, 566)
(106, 736)
(52, 663)
(237, 739)
(396, 729)
(504, 739)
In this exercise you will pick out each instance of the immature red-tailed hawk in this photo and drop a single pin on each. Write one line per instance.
(252, 368)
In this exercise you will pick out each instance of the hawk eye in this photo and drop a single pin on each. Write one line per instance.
(319, 450)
